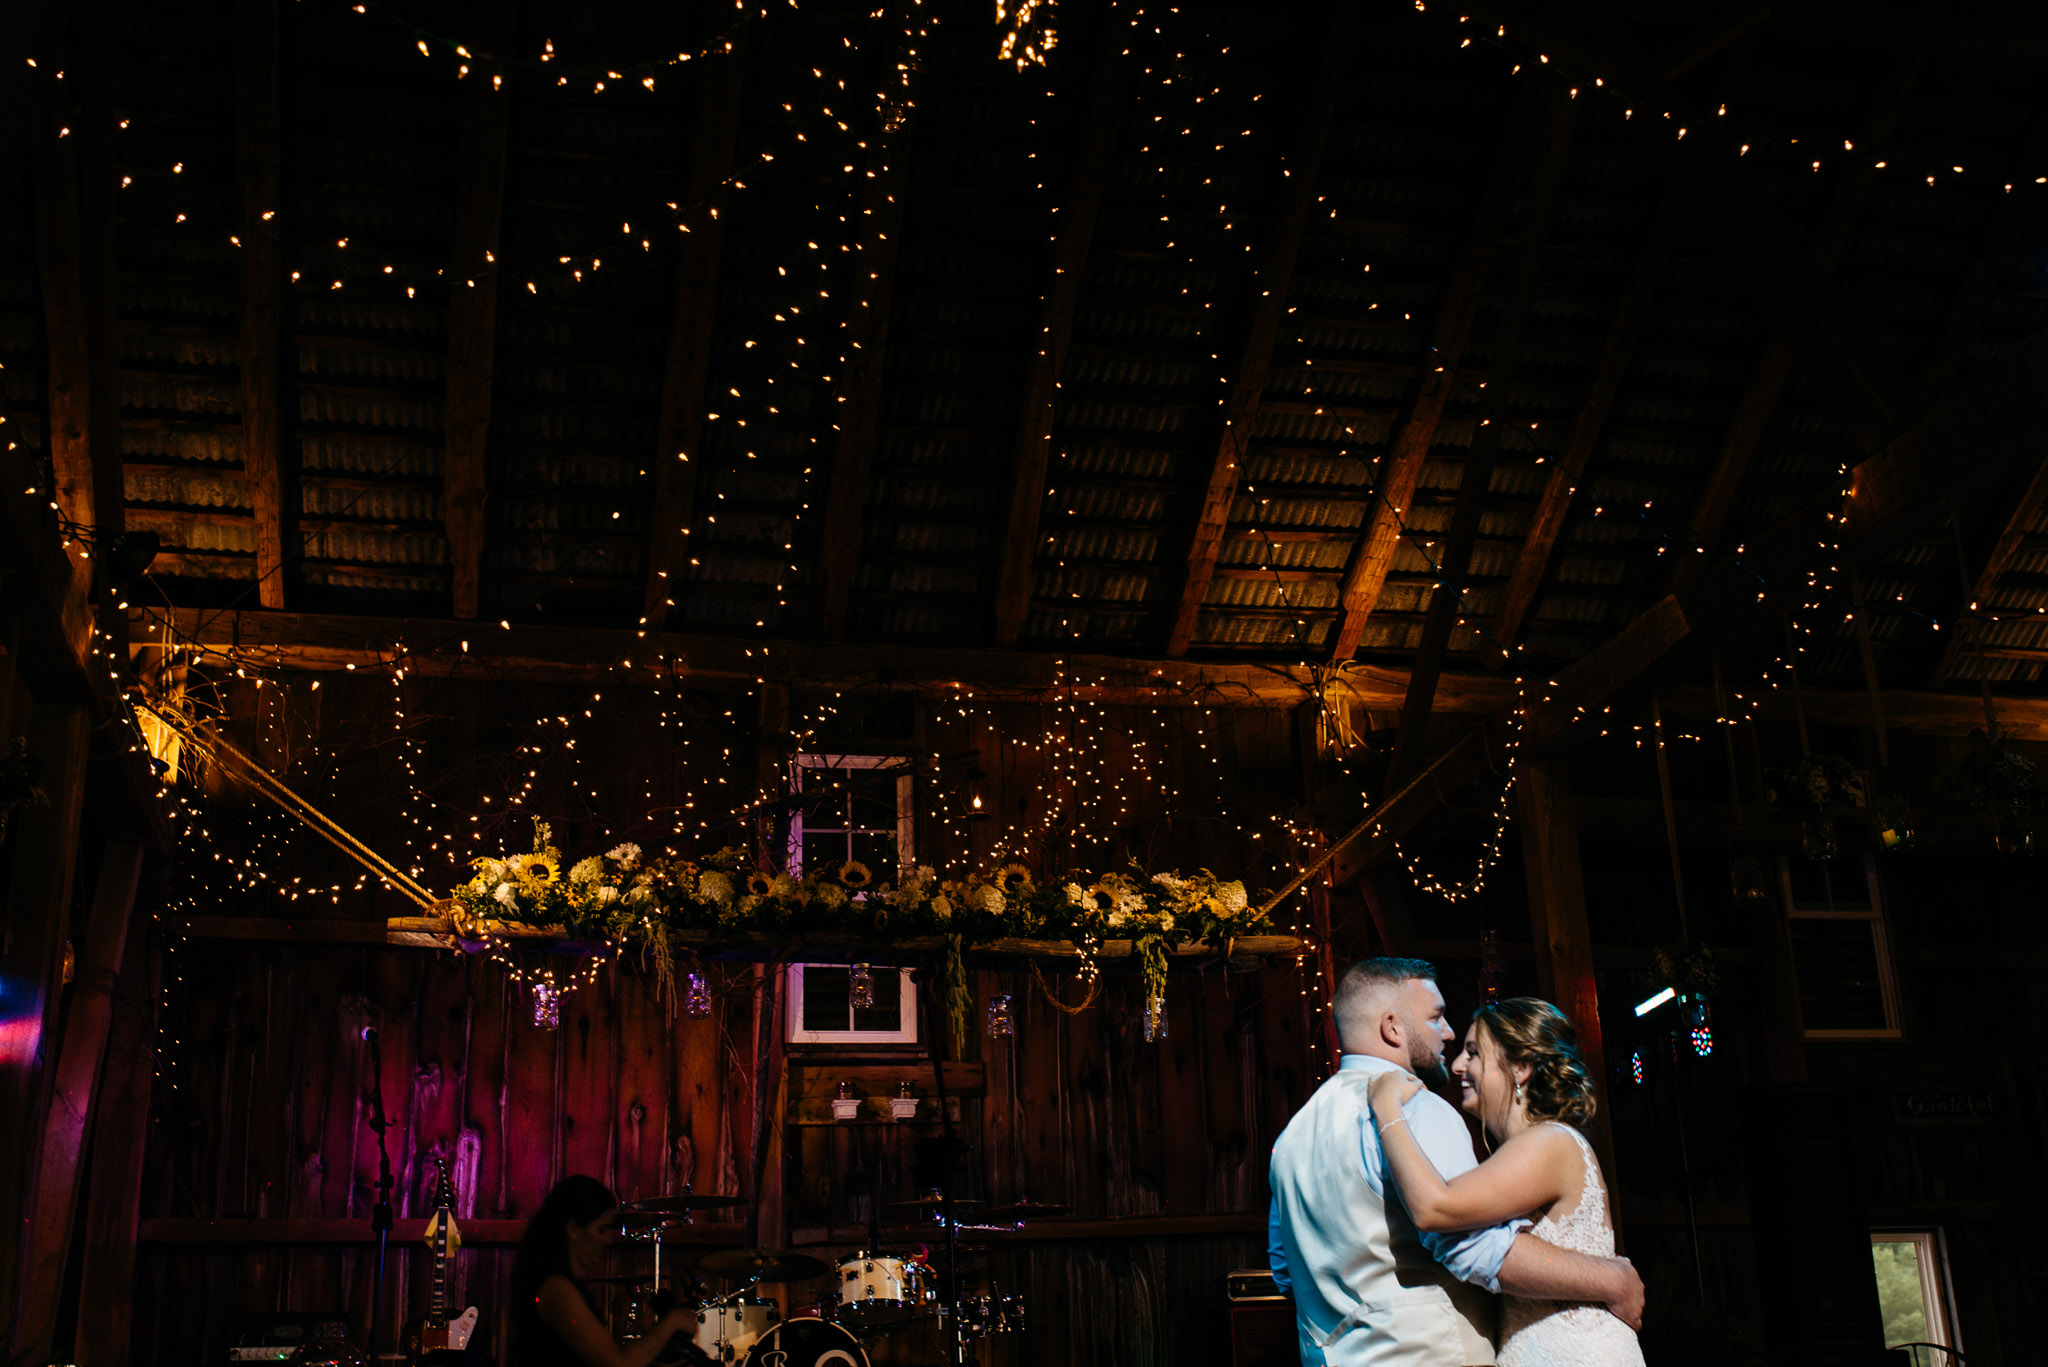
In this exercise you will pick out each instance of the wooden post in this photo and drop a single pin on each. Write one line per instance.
(266, 457)
(1557, 919)
(473, 310)
(61, 1147)
(38, 902)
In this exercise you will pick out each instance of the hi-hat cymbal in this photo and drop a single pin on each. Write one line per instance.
(1023, 1210)
(764, 1265)
(687, 1201)
(935, 1203)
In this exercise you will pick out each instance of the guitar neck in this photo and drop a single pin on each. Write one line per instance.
(437, 1306)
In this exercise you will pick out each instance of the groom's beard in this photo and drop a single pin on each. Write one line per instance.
(1429, 1066)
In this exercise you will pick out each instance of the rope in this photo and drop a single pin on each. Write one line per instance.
(1045, 988)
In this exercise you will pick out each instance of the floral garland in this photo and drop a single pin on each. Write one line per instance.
(635, 902)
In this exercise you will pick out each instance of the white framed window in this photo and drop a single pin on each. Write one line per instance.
(856, 807)
(1841, 953)
(821, 1009)
(1913, 1294)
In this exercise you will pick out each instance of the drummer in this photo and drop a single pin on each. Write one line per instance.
(553, 1324)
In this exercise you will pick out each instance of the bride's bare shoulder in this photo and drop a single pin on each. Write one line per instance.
(1553, 1143)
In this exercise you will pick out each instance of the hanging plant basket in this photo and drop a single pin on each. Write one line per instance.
(1814, 791)
(2003, 783)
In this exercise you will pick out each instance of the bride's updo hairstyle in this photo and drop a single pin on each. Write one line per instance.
(1532, 1031)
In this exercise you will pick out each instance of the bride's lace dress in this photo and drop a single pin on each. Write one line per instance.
(1562, 1333)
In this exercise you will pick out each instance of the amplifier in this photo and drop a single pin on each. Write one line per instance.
(275, 1337)
(1262, 1330)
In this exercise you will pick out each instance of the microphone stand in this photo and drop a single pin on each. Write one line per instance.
(955, 1337)
(380, 1214)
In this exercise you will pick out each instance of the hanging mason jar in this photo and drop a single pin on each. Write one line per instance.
(547, 1004)
(1493, 967)
(1746, 876)
(1894, 819)
(863, 987)
(1155, 1017)
(1001, 1024)
(2014, 833)
(696, 994)
(1817, 837)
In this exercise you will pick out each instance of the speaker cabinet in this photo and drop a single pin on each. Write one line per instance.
(1261, 1321)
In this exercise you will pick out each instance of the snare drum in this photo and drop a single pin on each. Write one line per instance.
(879, 1291)
(727, 1328)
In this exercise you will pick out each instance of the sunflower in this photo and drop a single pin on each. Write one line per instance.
(1015, 878)
(760, 884)
(537, 869)
(854, 874)
(1102, 898)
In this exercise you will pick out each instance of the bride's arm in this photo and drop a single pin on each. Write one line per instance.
(1519, 1178)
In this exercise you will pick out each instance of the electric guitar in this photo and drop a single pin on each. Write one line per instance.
(428, 1339)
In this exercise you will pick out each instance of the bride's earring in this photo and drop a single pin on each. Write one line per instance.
(1518, 1093)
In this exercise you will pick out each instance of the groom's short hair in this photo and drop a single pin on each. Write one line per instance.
(1363, 986)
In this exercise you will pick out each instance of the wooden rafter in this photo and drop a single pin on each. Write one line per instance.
(473, 310)
(1616, 355)
(2011, 537)
(1475, 483)
(266, 457)
(860, 396)
(1774, 367)
(679, 428)
(1270, 284)
(1400, 470)
(1078, 214)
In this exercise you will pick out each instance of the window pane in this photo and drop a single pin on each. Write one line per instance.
(1839, 987)
(878, 852)
(1899, 1291)
(1838, 884)
(887, 1012)
(823, 849)
(828, 997)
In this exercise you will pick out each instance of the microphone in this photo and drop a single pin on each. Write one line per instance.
(369, 1034)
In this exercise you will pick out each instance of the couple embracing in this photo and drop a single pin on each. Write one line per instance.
(1395, 1242)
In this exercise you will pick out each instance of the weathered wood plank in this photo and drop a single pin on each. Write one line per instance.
(267, 460)
(121, 1121)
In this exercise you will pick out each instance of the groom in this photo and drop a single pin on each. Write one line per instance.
(1369, 1291)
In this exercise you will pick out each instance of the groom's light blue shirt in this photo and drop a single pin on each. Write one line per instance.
(1473, 1256)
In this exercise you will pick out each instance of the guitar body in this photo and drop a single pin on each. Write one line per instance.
(441, 1337)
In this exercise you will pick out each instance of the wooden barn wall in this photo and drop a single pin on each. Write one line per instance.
(262, 1109)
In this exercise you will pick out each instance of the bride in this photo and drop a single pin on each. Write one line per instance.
(1520, 1075)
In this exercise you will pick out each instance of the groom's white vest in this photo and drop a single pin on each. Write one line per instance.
(1366, 1292)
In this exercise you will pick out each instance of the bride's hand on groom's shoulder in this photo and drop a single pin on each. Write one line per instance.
(1390, 1091)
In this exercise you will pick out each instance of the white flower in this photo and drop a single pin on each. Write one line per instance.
(1232, 896)
(1169, 882)
(782, 885)
(715, 886)
(1166, 920)
(942, 906)
(1130, 903)
(831, 895)
(607, 895)
(587, 870)
(506, 895)
(627, 854)
(1076, 895)
(986, 897)
(1119, 917)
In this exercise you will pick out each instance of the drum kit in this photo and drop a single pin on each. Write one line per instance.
(876, 1293)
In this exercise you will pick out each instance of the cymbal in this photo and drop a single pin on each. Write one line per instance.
(687, 1201)
(764, 1264)
(1024, 1210)
(933, 1203)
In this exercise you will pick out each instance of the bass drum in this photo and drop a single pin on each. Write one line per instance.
(807, 1343)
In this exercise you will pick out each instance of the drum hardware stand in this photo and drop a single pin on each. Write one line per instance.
(953, 1336)
(380, 1214)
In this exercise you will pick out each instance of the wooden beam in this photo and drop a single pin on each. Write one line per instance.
(1475, 483)
(1964, 634)
(1774, 366)
(473, 303)
(47, 1215)
(1271, 282)
(679, 426)
(1616, 355)
(1834, 347)
(1078, 215)
(267, 459)
(1400, 470)
(1557, 917)
(45, 839)
(867, 339)
(120, 1136)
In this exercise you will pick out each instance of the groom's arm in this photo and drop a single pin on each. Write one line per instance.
(1538, 1271)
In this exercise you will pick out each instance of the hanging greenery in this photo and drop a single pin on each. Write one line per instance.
(1993, 777)
(638, 904)
(1816, 786)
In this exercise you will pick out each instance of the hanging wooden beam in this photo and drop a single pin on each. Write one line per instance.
(267, 461)
(1270, 285)
(47, 1215)
(867, 334)
(1078, 215)
(679, 427)
(1774, 367)
(1475, 483)
(1963, 634)
(1400, 470)
(473, 305)
(1616, 355)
